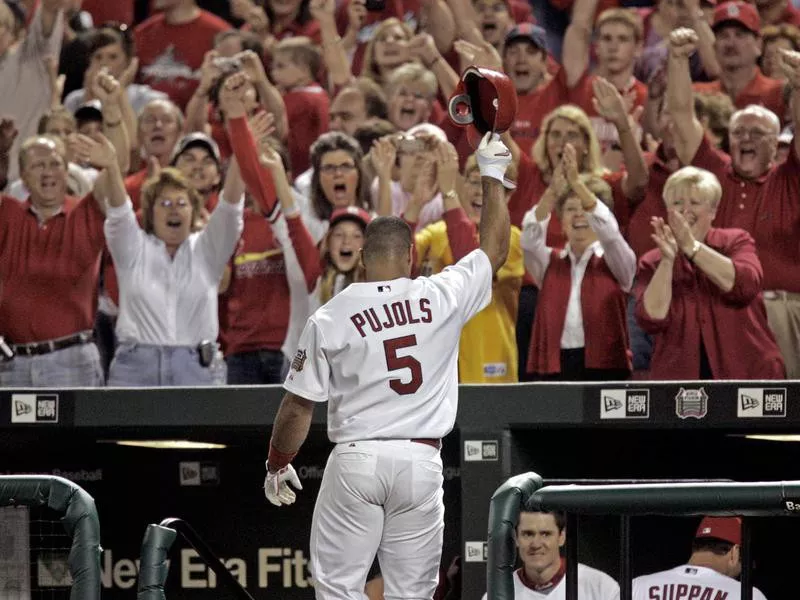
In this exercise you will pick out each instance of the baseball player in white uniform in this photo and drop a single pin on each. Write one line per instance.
(540, 536)
(710, 572)
(384, 355)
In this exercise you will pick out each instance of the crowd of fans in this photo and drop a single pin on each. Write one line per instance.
(181, 193)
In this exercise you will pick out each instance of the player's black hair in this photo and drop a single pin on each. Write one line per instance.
(386, 237)
(559, 516)
(713, 545)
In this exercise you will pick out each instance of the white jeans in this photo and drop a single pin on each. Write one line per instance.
(384, 497)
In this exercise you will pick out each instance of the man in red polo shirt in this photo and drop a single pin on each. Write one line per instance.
(758, 195)
(737, 29)
(49, 254)
(618, 44)
(171, 46)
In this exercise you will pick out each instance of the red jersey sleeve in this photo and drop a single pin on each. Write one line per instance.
(461, 234)
(307, 252)
(257, 179)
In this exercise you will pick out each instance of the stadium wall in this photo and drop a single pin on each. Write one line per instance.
(562, 431)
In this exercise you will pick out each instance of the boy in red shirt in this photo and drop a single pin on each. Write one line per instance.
(618, 44)
(171, 46)
(295, 64)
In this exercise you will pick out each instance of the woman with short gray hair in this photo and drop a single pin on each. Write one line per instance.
(699, 292)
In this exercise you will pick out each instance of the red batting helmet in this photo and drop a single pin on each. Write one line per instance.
(484, 99)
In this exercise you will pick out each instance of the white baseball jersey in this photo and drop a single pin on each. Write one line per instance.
(384, 354)
(592, 585)
(689, 582)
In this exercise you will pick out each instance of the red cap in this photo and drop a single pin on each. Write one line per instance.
(743, 13)
(727, 529)
(353, 213)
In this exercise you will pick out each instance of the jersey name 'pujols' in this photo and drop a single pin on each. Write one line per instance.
(395, 315)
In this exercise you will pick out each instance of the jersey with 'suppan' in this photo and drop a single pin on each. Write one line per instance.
(384, 354)
(689, 581)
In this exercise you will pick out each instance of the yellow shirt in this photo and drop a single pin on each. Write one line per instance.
(488, 345)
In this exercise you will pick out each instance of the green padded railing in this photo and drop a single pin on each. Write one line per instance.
(80, 521)
(779, 498)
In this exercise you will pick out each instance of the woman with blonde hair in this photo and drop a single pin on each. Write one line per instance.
(580, 333)
(567, 124)
(387, 50)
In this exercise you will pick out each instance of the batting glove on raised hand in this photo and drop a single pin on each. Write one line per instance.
(494, 158)
(276, 485)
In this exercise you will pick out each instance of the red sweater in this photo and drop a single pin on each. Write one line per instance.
(731, 325)
(603, 304)
(255, 310)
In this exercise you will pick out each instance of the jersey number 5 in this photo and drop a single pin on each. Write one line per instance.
(395, 363)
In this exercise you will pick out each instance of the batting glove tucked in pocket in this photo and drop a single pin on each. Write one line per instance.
(276, 486)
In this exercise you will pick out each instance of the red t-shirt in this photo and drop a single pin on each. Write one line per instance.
(171, 55)
(258, 280)
(102, 11)
(307, 112)
(761, 90)
(533, 107)
(49, 272)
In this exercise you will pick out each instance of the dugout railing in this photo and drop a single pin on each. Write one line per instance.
(528, 492)
(154, 560)
(78, 517)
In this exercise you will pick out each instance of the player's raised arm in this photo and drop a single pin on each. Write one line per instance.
(495, 228)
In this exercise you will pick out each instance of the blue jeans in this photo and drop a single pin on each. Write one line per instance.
(142, 365)
(257, 367)
(76, 366)
(641, 342)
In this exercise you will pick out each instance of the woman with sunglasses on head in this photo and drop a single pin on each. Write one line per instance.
(169, 273)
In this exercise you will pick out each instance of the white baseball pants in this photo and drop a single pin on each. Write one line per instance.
(379, 497)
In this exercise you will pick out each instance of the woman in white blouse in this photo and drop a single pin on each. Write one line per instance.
(580, 331)
(169, 274)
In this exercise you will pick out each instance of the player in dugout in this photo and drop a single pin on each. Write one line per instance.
(539, 538)
(711, 570)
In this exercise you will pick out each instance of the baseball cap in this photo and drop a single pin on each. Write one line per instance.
(195, 140)
(351, 213)
(89, 111)
(529, 32)
(743, 13)
(727, 529)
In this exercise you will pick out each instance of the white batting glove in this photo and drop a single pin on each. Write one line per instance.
(494, 158)
(276, 485)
